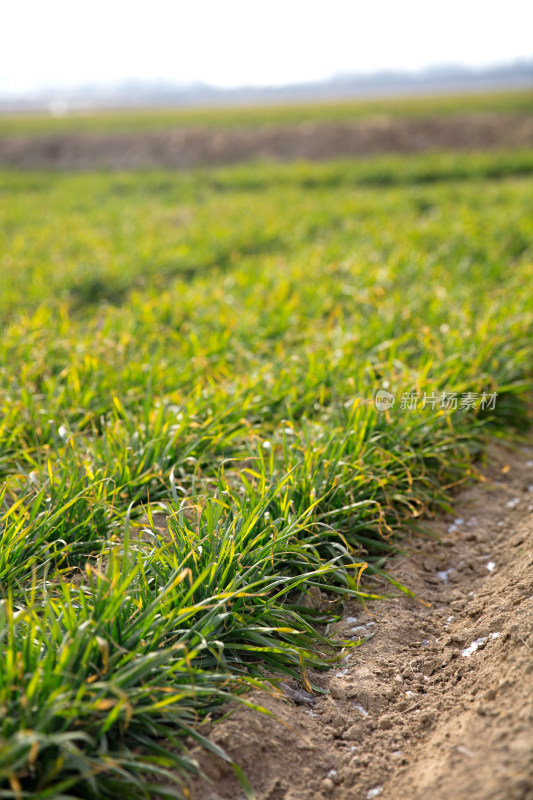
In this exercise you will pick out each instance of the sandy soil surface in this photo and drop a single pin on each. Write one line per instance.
(439, 703)
(189, 147)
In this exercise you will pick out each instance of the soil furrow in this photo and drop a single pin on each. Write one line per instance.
(438, 704)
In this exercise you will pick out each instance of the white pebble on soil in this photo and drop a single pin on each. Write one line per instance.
(374, 792)
(474, 646)
(443, 575)
(465, 751)
(478, 642)
(360, 708)
(491, 566)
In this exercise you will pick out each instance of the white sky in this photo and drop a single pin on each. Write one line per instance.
(62, 43)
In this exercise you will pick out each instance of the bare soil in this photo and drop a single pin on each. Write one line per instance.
(439, 703)
(187, 147)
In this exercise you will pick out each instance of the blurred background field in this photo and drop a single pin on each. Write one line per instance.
(186, 138)
(518, 101)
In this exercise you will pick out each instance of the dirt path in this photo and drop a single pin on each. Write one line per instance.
(438, 705)
(189, 147)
